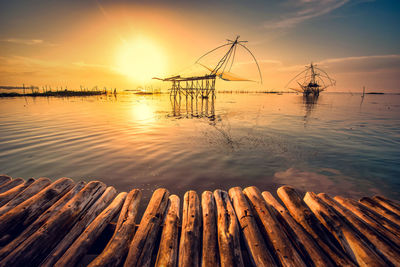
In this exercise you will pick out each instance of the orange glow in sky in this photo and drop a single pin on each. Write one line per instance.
(140, 59)
(123, 44)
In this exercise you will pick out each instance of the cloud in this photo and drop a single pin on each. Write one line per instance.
(26, 41)
(373, 63)
(304, 10)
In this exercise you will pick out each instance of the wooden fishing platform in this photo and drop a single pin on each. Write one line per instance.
(67, 223)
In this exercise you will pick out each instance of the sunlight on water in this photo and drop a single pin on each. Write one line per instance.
(335, 144)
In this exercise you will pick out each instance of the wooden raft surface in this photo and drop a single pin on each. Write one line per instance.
(67, 223)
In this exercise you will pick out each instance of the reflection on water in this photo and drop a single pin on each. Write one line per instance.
(239, 140)
(309, 102)
(193, 107)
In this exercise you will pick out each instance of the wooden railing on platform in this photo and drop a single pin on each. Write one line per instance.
(67, 223)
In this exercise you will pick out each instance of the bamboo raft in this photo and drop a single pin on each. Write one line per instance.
(67, 223)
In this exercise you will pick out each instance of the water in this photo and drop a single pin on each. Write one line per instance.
(335, 144)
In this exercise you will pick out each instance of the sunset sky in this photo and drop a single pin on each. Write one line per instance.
(123, 44)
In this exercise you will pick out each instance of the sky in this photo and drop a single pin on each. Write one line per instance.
(123, 44)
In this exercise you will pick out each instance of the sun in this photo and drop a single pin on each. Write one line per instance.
(140, 59)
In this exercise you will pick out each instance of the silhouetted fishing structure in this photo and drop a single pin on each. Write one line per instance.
(312, 80)
(204, 86)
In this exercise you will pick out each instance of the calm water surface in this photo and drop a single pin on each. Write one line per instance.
(336, 144)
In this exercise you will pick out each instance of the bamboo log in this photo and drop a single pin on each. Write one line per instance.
(142, 245)
(304, 216)
(35, 248)
(210, 253)
(11, 184)
(168, 250)
(32, 228)
(258, 250)
(18, 218)
(189, 247)
(82, 245)
(373, 205)
(387, 203)
(117, 248)
(30, 191)
(228, 231)
(94, 210)
(380, 244)
(10, 194)
(375, 220)
(4, 179)
(350, 240)
(306, 242)
(284, 249)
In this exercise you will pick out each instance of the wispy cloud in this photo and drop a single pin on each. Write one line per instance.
(304, 10)
(26, 41)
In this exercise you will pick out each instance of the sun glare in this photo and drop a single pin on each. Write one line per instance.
(140, 60)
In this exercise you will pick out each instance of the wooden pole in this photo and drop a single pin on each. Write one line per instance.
(228, 231)
(258, 250)
(117, 248)
(375, 220)
(92, 212)
(34, 249)
(350, 240)
(143, 242)
(11, 184)
(32, 228)
(210, 255)
(168, 251)
(30, 191)
(83, 243)
(189, 248)
(284, 249)
(387, 203)
(304, 216)
(306, 242)
(373, 205)
(10, 194)
(18, 218)
(382, 246)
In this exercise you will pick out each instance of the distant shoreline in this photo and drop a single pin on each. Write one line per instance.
(55, 93)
